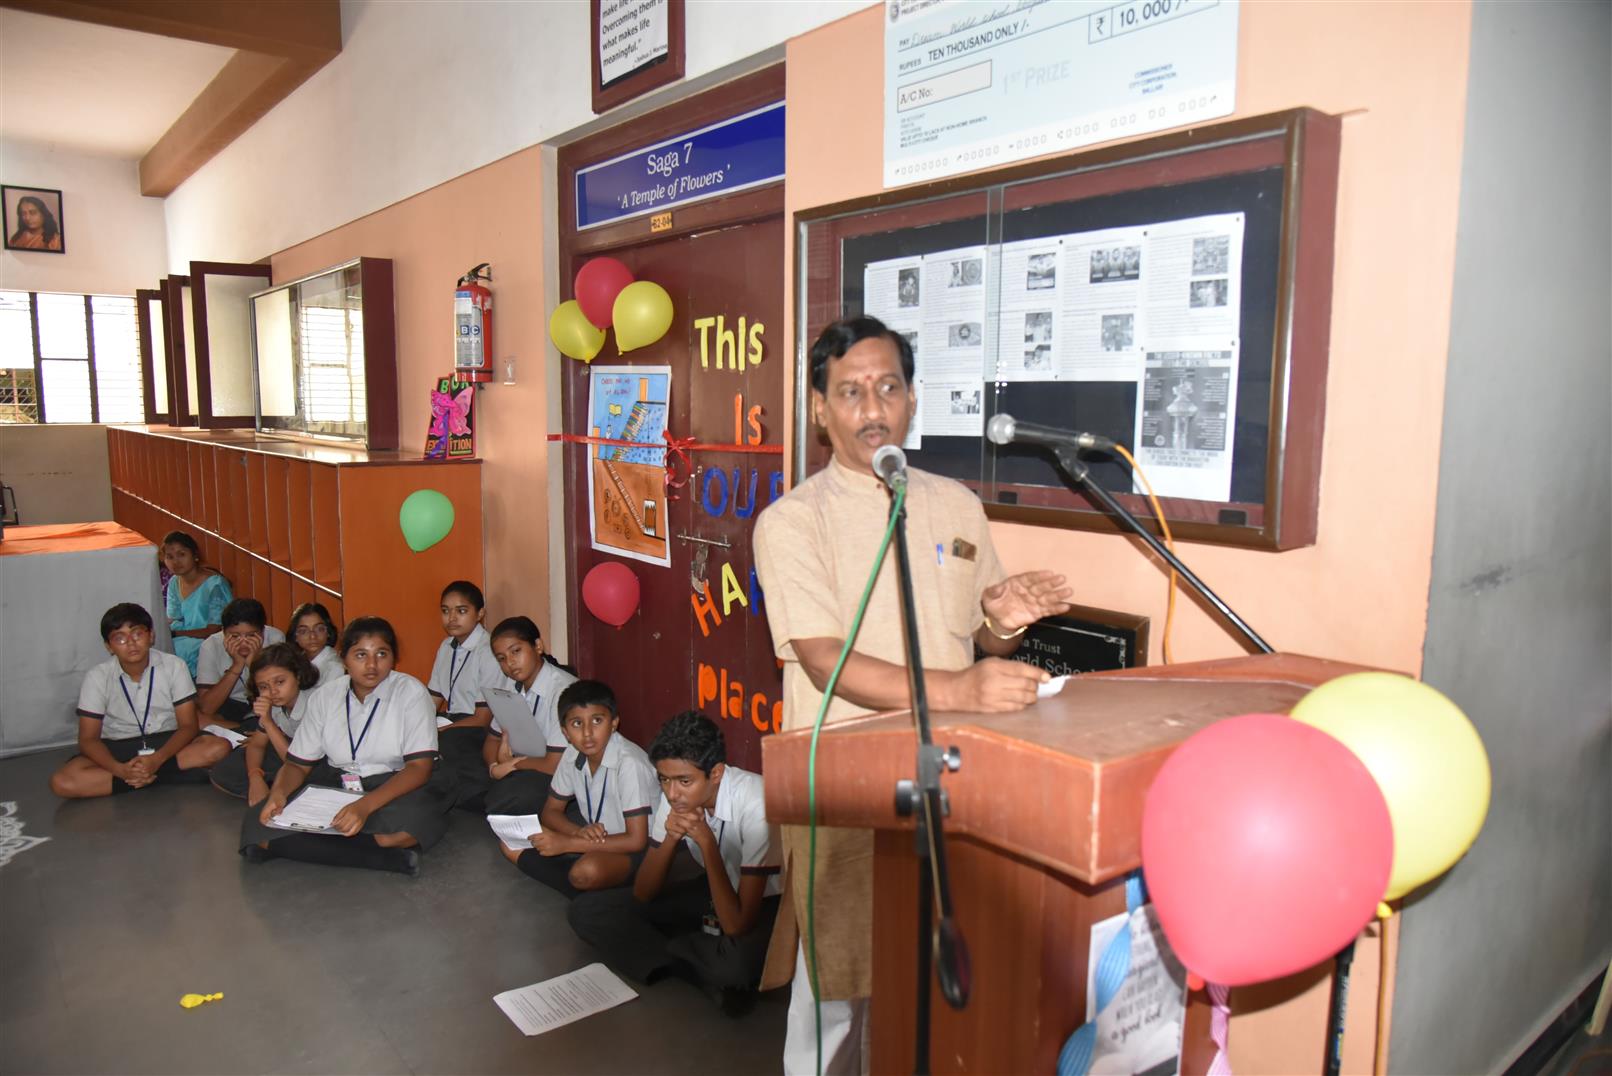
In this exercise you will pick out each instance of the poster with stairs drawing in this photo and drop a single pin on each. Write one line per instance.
(627, 486)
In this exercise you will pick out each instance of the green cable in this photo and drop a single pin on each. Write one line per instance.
(811, 770)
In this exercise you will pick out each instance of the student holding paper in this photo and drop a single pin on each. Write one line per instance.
(524, 741)
(376, 728)
(611, 779)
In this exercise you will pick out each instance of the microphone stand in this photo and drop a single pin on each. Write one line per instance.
(1070, 463)
(925, 800)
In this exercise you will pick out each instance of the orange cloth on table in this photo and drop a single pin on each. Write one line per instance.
(69, 538)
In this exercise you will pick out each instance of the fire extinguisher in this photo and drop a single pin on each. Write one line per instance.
(473, 326)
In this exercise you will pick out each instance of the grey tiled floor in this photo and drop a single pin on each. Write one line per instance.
(137, 900)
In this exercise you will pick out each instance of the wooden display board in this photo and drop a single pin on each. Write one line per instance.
(1275, 175)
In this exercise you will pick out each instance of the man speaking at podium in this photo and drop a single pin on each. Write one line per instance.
(814, 550)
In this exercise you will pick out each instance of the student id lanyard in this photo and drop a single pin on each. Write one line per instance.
(709, 922)
(143, 721)
(352, 781)
(454, 671)
(587, 790)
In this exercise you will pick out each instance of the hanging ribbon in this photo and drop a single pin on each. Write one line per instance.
(1112, 967)
(675, 446)
(1219, 1028)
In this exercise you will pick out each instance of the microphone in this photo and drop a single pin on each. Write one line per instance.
(890, 464)
(1004, 429)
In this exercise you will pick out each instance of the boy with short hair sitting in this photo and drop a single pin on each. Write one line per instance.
(714, 928)
(222, 662)
(136, 717)
(611, 780)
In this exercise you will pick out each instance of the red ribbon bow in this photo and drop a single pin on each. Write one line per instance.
(678, 447)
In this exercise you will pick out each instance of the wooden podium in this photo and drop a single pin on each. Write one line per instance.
(1045, 822)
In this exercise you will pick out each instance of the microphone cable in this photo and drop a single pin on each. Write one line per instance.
(1169, 543)
(900, 500)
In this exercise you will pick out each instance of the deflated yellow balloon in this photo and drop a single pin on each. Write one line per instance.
(642, 314)
(1425, 756)
(190, 1001)
(573, 333)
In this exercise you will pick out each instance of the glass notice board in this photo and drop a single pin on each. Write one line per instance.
(1172, 294)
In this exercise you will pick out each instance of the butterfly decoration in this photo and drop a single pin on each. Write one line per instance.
(450, 416)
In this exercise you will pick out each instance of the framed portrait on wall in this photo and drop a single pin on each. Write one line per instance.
(33, 219)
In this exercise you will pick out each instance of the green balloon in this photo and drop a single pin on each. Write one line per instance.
(425, 519)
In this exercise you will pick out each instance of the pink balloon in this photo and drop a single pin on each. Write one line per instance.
(597, 285)
(610, 591)
(1266, 845)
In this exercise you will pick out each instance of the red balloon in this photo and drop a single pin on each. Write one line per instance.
(597, 285)
(1266, 845)
(610, 591)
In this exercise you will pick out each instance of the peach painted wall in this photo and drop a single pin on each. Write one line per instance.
(493, 214)
(1397, 73)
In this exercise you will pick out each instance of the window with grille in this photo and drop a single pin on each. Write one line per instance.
(308, 352)
(69, 358)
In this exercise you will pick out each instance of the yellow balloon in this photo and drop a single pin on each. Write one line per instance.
(1425, 756)
(642, 314)
(573, 333)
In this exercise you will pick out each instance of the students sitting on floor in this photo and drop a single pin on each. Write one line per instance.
(315, 635)
(136, 717)
(713, 928)
(281, 677)
(375, 732)
(221, 665)
(463, 667)
(606, 785)
(195, 596)
(523, 748)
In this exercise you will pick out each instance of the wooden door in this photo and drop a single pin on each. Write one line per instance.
(699, 639)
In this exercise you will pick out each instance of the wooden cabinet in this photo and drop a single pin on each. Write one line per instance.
(289, 522)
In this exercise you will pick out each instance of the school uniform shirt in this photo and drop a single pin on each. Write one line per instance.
(213, 662)
(290, 721)
(813, 548)
(121, 704)
(328, 662)
(401, 725)
(542, 698)
(626, 784)
(749, 845)
(461, 671)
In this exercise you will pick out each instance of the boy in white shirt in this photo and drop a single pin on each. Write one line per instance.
(222, 662)
(136, 717)
(607, 786)
(714, 928)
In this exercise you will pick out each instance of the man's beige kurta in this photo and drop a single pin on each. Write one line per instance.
(814, 549)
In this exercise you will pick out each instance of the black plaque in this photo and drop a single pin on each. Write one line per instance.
(1085, 640)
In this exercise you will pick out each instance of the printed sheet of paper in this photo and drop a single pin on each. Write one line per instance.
(951, 343)
(312, 809)
(235, 739)
(893, 292)
(1185, 416)
(1103, 317)
(564, 1000)
(514, 829)
(1028, 346)
(1140, 1030)
(1186, 409)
